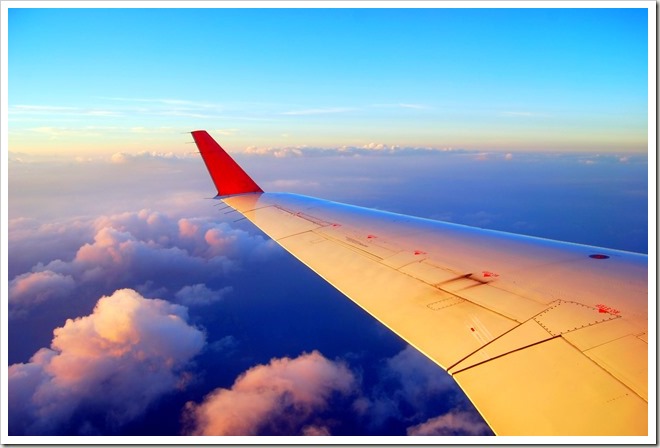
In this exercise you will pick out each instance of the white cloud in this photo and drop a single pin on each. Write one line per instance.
(124, 157)
(113, 363)
(278, 397)
(276, 152)
(378, 147)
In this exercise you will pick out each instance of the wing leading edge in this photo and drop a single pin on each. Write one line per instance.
(545, 337)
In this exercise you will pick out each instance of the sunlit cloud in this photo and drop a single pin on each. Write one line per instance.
(312, 430)
(372, 148)
(31, 288)
(275, 398)
(126, 157)
(451, 424)
(380, 147)
(103, 370)
(129, 249)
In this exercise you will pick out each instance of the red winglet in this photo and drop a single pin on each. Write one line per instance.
(228, 177)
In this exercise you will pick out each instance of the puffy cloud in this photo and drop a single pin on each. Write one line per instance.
(200, 294)
(31, 242)
(380, 147)
(455, 423)
(296, 151)
(369, 149)
(419, 377)
(104, 369)
(124, 157)
(315, 431)
(32, 288)
(413, 388)
(410, 387)
(132, 250)
(275, 398)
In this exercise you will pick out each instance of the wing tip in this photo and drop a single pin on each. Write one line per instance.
(227, 175)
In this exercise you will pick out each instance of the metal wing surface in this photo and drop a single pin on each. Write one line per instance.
(544, 337)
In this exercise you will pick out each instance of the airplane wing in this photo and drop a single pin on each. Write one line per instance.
(544, 337)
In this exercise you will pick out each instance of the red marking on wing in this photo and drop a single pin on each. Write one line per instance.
(369, 237)
(607, 309)
(419, 252)
(490, 274)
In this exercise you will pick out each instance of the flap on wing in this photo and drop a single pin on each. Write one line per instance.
(551, 388)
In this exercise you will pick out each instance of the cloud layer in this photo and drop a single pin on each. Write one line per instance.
(64, 256)
(103, 370)
(130, 250)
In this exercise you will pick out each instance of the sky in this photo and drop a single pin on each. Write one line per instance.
(91, 80)
(136, 305)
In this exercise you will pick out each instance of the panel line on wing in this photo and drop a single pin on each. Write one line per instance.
(354, 247)
(497, 356)
(500, 337)
(641, 394)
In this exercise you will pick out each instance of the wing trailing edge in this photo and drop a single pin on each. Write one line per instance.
(228, 177)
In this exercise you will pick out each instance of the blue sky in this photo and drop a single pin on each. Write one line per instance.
(530, 121)
(506, 79)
